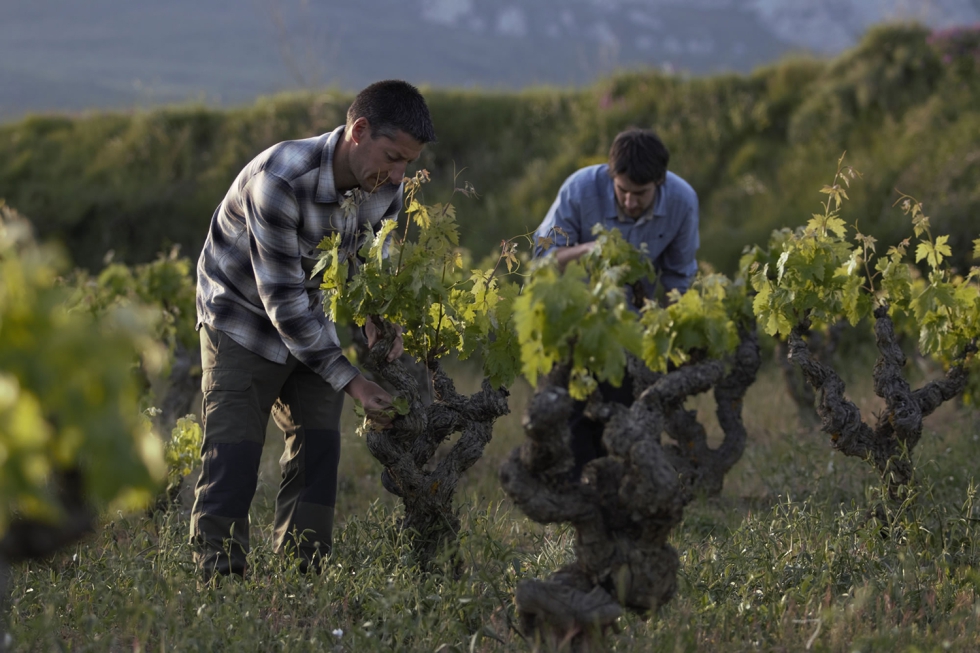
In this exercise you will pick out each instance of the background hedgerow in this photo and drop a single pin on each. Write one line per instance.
(752, 146)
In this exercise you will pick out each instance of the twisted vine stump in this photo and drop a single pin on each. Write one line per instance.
(822, 346)
(889, 443)
(183, 386)
(702, 467)
(622, 508)
(411, 441)
(418, 370)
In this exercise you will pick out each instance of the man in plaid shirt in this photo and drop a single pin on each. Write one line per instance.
(267, 346)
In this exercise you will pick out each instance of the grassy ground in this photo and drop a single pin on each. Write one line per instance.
(786, 559)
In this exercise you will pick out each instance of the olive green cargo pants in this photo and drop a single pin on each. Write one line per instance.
(241, 389)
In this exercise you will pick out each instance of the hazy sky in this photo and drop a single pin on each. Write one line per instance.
(69, 55)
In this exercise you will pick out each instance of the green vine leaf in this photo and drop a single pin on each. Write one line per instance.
(401, 405)
(419, 283)
(933, 253)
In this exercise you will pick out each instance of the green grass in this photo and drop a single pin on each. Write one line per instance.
(786, 559)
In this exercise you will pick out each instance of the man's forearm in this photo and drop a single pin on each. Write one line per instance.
(565, 255)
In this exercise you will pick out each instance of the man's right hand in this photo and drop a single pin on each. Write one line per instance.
(566, 255)
(373, 397)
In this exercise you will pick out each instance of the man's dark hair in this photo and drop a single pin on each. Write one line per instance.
(391, 106)
(640, 155)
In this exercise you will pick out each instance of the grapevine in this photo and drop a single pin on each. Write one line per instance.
(578, 328)
(416, 279)
(821, 275)
(70, 430)
(165, 288)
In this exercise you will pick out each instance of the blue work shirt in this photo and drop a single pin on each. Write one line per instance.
(670, 234)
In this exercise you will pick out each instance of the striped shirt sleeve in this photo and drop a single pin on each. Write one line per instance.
(272, 219)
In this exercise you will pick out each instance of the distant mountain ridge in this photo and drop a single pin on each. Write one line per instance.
(825, 26)
(61, 55)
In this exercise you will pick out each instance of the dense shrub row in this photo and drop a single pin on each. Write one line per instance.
(752, 146)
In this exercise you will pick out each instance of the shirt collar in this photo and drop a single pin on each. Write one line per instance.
(326, 188)
(645, 217)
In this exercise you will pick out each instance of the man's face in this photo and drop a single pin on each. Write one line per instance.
(633, 198)
(378, 161)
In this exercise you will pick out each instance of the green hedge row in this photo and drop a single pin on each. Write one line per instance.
(903, 104)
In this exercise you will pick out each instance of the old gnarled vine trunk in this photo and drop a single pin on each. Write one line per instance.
(899, 427)
(626, 502)
(702, 467)
(183, 386)
(407, 447)
(822, 346)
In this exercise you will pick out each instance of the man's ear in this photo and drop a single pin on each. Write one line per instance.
(360, 129)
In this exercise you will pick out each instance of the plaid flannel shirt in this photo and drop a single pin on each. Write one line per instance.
(253, 276)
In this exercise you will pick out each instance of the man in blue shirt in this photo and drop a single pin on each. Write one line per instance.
(654, 209)
(634, 193)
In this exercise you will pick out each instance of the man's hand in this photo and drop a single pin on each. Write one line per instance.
(373, 334)
(565, 255)
(376, 402)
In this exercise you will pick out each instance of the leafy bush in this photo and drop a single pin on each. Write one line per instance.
(68, 392)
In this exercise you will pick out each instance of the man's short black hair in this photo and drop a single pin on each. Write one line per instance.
(391, 106)
(640, 155)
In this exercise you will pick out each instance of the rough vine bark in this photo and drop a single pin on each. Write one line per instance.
(418, 370)
(622, 508)
(183, 386)
(702, 467)
(822, 346)
(898, 428)
(411, 441)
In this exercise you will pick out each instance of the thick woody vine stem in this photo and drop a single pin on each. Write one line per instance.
(419, 371)
(183, 385)
(622, 508)
(822, 346)
(898, 429)
(702, 467)
(407, 447)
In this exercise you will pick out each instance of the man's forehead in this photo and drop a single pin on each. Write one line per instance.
(626, 183)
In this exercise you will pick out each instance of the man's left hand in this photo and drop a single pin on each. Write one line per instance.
(373, 334)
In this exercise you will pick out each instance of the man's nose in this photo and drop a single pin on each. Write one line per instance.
(396, 174)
